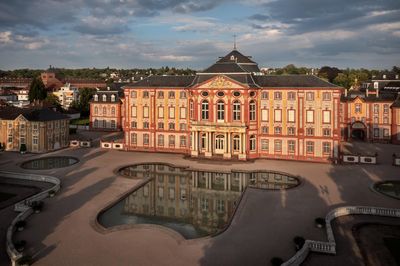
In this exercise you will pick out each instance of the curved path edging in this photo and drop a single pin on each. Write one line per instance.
(330, 246)
(24, 207)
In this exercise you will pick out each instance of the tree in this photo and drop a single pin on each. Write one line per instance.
(85, 95)
(329, 73)
(37, 90)
(53, 100)
(342, 80)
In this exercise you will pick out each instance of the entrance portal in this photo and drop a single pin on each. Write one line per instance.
(219, 144)
(358, 134)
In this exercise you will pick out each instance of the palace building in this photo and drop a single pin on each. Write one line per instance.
(231, 111)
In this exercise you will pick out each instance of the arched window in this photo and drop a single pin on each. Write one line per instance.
(252, 110)
(204, 110)
(96, 110)
(113, 98)
(96, 97)
(113, 110)
(104, 110)
(236, 143)
(252, 143)
(220, 110)
(104, 98)
(236, 111)
(191, 110)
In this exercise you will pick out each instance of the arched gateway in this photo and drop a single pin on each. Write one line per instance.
(358, 131)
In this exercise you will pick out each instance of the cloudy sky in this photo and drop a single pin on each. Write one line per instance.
(193, 33)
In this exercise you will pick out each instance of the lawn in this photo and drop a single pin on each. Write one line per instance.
(81, 121)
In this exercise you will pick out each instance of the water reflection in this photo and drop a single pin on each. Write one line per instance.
(193, 203)
(49, 163)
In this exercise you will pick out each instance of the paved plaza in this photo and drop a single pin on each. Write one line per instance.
(263, 226)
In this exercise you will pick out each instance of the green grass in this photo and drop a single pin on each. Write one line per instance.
(80, 121)
(5, 196)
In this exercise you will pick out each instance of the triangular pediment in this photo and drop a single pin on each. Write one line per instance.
(21, 118)
(221, 82)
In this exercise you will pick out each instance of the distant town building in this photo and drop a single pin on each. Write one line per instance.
(40, 129)
(105, 110)
(67, 95)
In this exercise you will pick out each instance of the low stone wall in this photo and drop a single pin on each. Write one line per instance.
(24, 207)
(111, 145)
(330, 246)
(363, 159)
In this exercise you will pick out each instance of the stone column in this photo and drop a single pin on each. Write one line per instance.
(209, 144)
(227, 153)
(195, 144)
(242, 155)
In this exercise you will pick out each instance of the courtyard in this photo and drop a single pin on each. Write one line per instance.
(264, 225)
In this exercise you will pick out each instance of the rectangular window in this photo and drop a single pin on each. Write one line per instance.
(278, 145)
(310, 132)
(160, 112)
(310, 116)
(171, 112)
(326, 96)
(376, 132)
(264, 145)
(291, 115)
(291, 96)
(146, 94)
(145, 111)
(160, 125)
(326, 117)
(264, 95)
(376, 109)
(160, 94)
(278, 115)
(145, 125)
(146, 139)
(133, 138)
(291, 131)
(310, 147)
(326, 132)
(171, 140)
(182, 126)
(291, 146)
(171, 126)
(133, 94)
(35, 140)
(310, 96)
(326, 147)
(277, 95)
(386, 132)
(264, 130)
(133, 111)
(264, 114)
(182, 95)
(183, 112)
(171, 94)
(278, 130)
(10, 138)
(160, 140)
(191, 110)
(386, 109)
(182, 141)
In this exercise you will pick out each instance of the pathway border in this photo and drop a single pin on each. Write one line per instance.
(330, 246)
(24, 207)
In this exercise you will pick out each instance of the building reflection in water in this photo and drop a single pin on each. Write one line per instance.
(194, 203)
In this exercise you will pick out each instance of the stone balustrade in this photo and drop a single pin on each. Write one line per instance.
(330, 246)
(24, 207)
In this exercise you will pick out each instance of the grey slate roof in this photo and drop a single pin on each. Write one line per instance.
(164, 81)
(239, 58)
(31, 114)
(292, 81)
(382, 96)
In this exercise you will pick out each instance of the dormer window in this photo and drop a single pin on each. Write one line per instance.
(384, 76)
(104, 97)
(96, 97)
(232, 58)
(113, 98)
(375, 85)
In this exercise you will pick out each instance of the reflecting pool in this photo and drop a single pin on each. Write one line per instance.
(193, 203)
(389, 188)
(49, 163)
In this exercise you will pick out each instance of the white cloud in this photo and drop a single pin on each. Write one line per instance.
(6, 37)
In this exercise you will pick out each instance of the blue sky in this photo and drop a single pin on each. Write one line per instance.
(189, 33)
